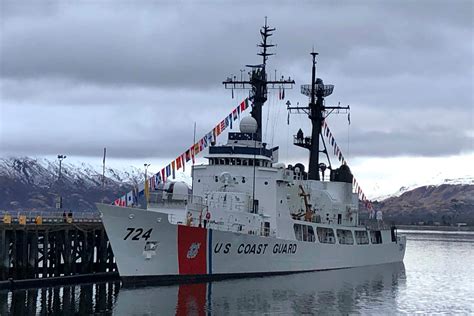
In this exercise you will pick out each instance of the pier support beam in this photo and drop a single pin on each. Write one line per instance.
(45, 254)
(3, 254)
(33, 255)
(55, 249)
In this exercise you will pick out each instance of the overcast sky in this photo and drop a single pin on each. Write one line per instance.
(134, 76)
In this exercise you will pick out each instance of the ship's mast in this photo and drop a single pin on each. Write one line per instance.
(258, 84)
(316, 117)
(316, 109)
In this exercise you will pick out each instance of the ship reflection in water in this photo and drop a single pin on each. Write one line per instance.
(439, 278)
(337, 291)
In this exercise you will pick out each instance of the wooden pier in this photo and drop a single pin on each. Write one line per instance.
(44, 245)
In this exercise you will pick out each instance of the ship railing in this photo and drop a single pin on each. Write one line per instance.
(373, 224)
(302, 141)
(198, 220)
(173, 200)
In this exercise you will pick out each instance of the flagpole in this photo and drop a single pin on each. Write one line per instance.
(146, 187)
(103, 168)
(253, 180)
(348, 135)
(194, 155)
(194, 139)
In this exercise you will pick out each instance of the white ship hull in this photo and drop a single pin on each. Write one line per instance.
(148, 248)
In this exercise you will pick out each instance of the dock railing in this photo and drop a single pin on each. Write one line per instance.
(39, 217)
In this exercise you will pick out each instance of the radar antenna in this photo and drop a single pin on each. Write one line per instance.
(257, 82)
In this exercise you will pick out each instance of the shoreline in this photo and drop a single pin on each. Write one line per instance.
(440, 228)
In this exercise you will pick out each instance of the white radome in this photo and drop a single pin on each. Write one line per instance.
(248, 125)
(180, 188)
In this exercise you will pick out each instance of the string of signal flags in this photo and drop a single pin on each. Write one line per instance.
(338, 153)
(131, 198)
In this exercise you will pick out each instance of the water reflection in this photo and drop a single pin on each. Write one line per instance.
(439, 278)
(81, 300)
(338, 291)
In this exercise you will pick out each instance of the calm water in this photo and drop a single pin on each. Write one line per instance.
(437, 277)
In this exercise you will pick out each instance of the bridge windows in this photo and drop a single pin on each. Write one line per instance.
(326, 235)
(361, 237)
(344, 237)
(239, 162)
(304, 232)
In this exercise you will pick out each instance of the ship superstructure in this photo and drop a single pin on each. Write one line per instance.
(248, 213)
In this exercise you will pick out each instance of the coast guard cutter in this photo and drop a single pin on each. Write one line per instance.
(248, 214)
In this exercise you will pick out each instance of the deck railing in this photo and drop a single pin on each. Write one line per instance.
(373, 224)
(172, 200)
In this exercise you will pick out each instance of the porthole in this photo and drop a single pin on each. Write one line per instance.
(266, 182)
(199, 180)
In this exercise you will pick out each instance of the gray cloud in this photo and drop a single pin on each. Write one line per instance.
(152, 45)
(135, 76)
(422, 142)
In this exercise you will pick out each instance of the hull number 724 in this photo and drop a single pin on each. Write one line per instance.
(137, 234)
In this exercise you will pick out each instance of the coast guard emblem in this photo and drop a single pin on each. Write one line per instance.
(192, 245)
(193, 250)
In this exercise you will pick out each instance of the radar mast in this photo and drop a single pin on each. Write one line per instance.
(316, 111)
(258, 84)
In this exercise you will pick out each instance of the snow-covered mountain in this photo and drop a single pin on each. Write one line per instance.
(34, 183)
(436, 181)
(28, 183)
(43, 172)
(442, 204)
